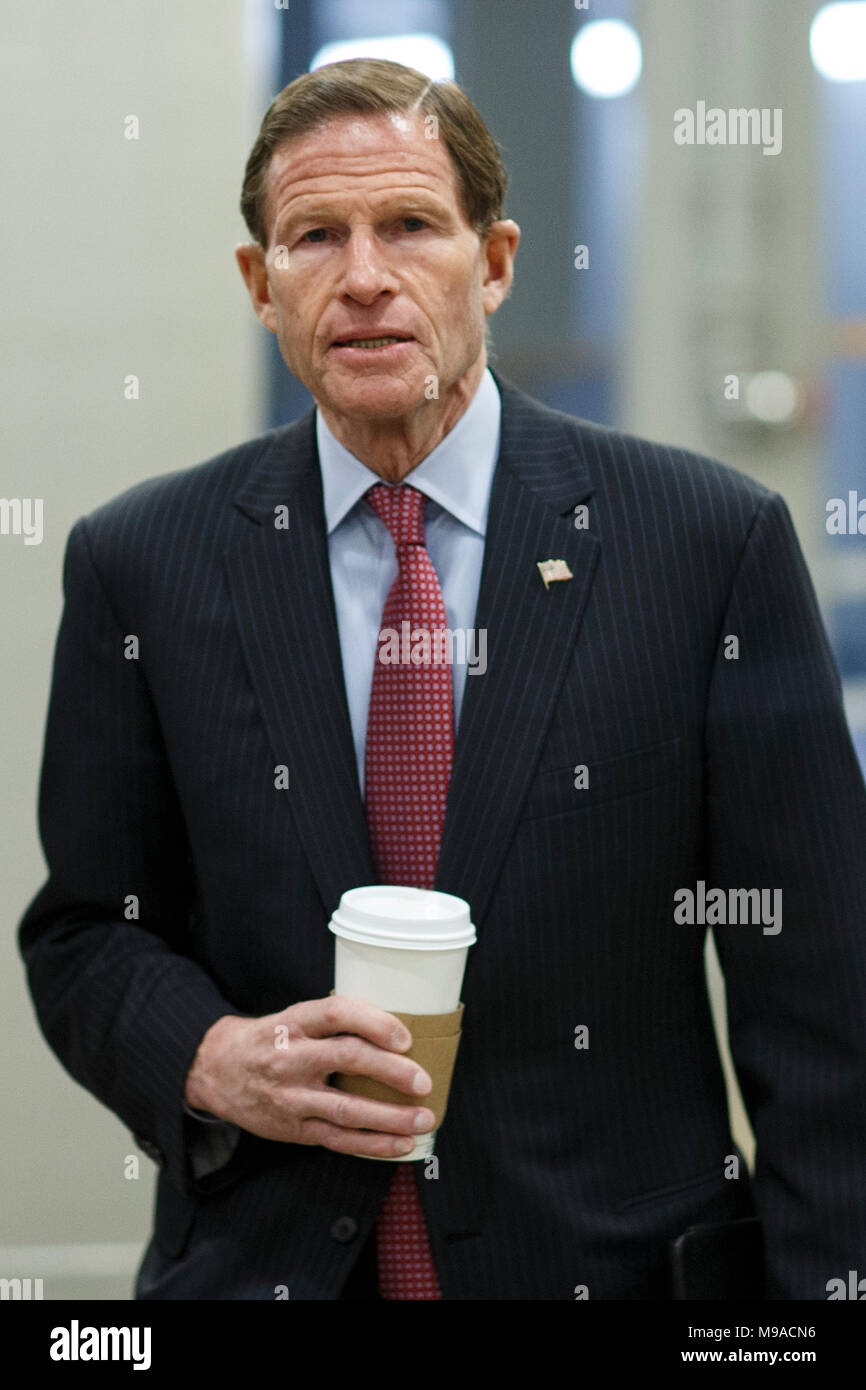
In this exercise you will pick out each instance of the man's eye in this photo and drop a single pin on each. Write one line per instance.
(419, 223)
(317, 234)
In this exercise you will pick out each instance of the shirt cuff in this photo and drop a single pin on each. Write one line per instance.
(204, 1115)
(212, 1142)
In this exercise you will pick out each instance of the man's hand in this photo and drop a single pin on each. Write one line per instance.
(281, 1092)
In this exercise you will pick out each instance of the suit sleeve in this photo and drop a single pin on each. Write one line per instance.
(106, 942)
(786, 810)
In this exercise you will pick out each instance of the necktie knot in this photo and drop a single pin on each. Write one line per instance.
(402, 510)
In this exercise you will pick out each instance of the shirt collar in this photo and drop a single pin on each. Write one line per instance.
(457, 474)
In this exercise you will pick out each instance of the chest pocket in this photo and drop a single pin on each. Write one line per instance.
(553, 792)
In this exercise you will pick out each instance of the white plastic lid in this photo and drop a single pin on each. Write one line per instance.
(410, 919)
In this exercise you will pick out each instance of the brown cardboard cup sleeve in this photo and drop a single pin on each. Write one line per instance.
(435, 1039)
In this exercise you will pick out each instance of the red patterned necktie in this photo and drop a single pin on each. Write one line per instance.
(410, 747)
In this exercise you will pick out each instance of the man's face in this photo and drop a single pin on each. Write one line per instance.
(376, 244)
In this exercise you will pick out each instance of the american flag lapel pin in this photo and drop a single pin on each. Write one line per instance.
(552, 570)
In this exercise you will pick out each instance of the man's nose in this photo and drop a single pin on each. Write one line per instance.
(366, 271)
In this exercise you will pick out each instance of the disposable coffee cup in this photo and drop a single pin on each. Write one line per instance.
(404, 950)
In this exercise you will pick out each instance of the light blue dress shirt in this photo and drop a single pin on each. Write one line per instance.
(457, 478)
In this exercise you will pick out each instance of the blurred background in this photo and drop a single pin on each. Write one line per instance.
(709, 295)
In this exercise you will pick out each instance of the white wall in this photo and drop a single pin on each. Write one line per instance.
(117, 258)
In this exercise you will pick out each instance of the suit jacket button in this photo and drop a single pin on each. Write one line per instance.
(344, 1229)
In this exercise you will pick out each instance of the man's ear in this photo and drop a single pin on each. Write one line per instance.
(500, 248)
(251, 261)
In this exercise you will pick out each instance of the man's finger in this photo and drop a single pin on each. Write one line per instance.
(343, 1013)
(358, 1112)
(354, 1056)
(354, 1141)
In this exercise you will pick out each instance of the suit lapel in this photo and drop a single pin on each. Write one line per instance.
(280, 582)
(541, 475)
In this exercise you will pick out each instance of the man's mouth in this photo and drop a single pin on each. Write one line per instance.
(370, 342)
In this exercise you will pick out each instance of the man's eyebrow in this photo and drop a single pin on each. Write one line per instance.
(327, 212)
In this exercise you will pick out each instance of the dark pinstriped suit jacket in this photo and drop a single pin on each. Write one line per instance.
(558, 1166)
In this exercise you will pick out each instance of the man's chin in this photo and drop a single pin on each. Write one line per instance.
(375, 395)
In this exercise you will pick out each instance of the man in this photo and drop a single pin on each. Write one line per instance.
(657, 721)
